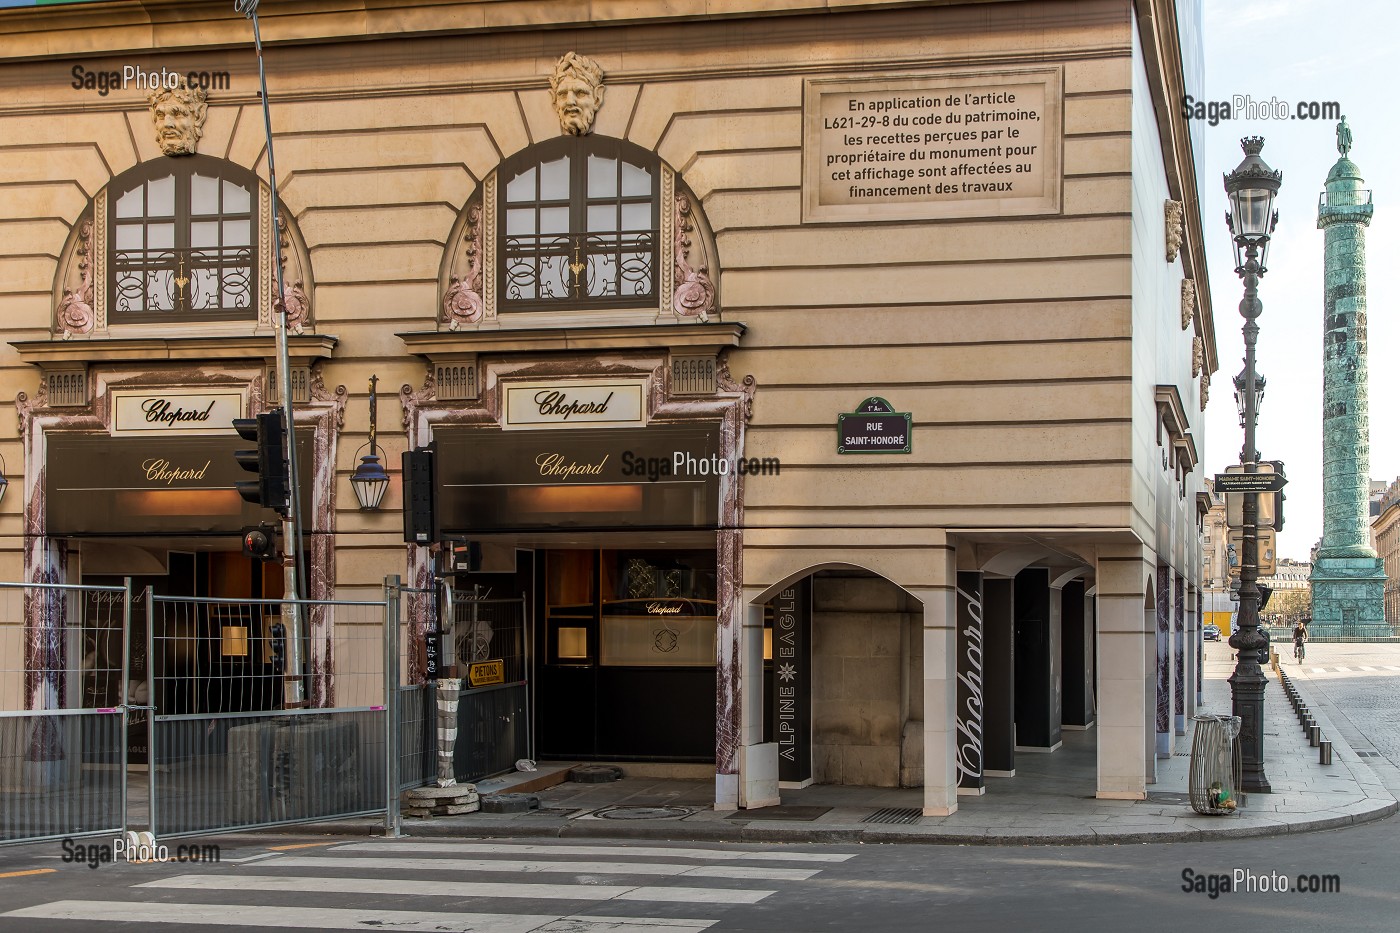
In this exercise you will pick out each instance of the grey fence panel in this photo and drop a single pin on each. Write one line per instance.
(61, 774)
(493, 719)
(226, 751)
(63, 718)
(417, 736)
(242, 771)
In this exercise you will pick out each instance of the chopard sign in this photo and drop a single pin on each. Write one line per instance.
(575, 404)
(556, 403)
(664, 609)
(160, 470)
(560, 467)
(160, 411)
(174, 412)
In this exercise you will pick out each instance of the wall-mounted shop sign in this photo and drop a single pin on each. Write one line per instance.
(907, 147)
(163, 484)
(617, 403)
(792, 681)
(969, 713)
(874, 428)
(485, 673)
(175, 411)
(496, 481)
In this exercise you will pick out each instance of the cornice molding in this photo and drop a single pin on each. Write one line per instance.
(446, 345)
(302, 348)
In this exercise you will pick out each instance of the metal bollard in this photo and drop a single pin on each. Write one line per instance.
(1324, 752)
(1314, 735)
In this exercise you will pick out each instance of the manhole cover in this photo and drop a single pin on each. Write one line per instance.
(643, 813)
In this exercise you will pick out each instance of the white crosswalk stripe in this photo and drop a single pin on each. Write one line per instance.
(552, 891)
(744, 872)
(370, 885)
(619, 851)
(338, 918)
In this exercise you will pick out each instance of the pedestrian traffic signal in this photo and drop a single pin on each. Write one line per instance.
(277, 648)
(269, 460)
(260, 542)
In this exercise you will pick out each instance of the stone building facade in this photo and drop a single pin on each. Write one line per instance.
(590, 237)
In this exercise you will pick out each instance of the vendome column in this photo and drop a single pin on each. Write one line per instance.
(1348, 579)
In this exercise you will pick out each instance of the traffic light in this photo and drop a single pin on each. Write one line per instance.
(277, 650)
(269, 460)
(419, 515)
(259, 542)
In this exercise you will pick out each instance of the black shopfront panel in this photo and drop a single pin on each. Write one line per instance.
(627, 651)
(490, 481)
(165, 485)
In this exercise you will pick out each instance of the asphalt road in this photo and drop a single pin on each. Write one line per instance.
(557, 886)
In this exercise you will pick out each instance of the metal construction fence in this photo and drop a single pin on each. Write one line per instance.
(242, 713)
(270, 711)
(63, 719)
(491, 639)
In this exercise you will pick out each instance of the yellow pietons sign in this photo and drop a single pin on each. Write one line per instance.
(484, 673)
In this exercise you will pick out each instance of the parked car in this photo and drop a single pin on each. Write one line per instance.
(1211, 632)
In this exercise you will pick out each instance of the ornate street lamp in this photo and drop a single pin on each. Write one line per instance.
(370, 480)
(1251, 188)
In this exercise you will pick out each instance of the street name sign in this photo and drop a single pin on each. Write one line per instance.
(1249, 482)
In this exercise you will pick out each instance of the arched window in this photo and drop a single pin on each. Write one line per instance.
(183, 241)
(584, 230)
(579, 221)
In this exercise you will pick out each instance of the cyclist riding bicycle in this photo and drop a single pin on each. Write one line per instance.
(1300, 635)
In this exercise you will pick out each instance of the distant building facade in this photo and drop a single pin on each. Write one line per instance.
(1385, 538)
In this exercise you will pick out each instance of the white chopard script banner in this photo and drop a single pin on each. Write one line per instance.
(609, 403)
(157, 411)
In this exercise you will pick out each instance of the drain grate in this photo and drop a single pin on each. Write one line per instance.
(643, 813)
(1368, 753)
(895, 815)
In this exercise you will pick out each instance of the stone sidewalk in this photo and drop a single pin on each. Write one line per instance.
(1050, 801)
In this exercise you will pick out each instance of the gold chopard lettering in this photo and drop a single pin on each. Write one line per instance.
(556, 465)
(159, 470)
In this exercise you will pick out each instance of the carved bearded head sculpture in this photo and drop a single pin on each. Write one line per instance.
(178, 114)
(577, 88)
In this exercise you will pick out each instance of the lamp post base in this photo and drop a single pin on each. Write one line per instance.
(1247, 702)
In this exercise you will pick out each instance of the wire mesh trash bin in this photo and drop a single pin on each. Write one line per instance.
(1215, 764)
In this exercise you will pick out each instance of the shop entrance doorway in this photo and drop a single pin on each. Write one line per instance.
(626, 644)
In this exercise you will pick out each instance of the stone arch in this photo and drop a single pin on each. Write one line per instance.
(865, 680)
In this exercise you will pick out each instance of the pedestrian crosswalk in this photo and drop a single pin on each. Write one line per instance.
(473, 886)
(1354, 669)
